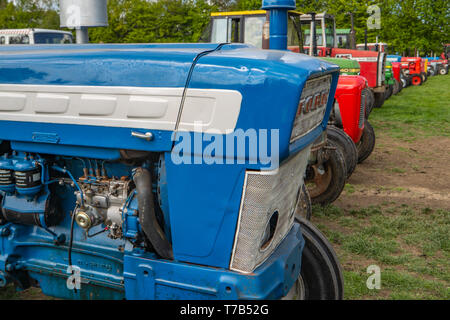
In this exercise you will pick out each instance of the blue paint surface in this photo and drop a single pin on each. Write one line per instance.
(200, 203)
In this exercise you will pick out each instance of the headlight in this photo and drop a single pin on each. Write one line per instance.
(312, 106)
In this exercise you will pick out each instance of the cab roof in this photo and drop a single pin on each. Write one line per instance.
(30, 30)
(246, 13)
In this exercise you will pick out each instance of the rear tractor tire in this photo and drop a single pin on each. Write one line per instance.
(325, 181)
(321, 273)
(366, 145)
(346, 145)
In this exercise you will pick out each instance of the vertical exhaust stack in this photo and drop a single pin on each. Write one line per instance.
(83, 14)
(352, 32)
(278, 21)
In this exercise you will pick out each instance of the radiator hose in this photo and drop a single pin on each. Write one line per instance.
(147, 216)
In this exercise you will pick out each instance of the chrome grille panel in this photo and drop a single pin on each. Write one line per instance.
(312, 106)
(264, 193)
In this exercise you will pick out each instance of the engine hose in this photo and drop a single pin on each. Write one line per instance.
(72, 223)
(147, 216)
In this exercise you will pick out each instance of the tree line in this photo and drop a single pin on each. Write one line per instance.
(405, 24)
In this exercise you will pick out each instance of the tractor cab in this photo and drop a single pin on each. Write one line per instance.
(327, 44)
(249, 27)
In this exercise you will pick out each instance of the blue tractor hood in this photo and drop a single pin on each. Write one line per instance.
(262, 87)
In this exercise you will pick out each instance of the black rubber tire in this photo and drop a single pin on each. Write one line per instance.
(442, 70)
(424, 76)
(304, 205)
(388, 92)
(404, 82)
(321, 270)
(395, 87)
(400, 85)
(370, 101)
(336, 163)
(379, 99)
(367, 143)
(347, 146)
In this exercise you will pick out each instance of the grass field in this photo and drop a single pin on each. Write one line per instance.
(395, 209)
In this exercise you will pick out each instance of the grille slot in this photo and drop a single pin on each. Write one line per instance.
(362, 110)
(266, 192)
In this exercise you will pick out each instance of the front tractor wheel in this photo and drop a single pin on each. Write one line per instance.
(424, 77)
(366, 145)
(396, 87)
(417, 80)
(325, 180)
(321, 273)
(379, 99)
(346, 145)
(443, 71)
(370, 100)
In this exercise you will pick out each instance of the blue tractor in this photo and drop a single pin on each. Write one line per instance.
(163, 171)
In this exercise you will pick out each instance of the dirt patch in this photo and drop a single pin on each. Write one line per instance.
(409, 172)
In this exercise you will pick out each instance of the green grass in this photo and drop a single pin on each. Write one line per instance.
(411, 246)
(416, 111)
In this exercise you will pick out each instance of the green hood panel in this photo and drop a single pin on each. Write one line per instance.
(348, 66)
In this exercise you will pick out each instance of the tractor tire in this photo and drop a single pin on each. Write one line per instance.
(396, 87)
(404, 82)
(430, 71)
(379, 100)
(370, 101)
(417, 80)
(388, 92)
(424, 76)
(442, 71)
(321, 272)
(346, 145)
(304, 205)
(366, 145)
(326, 181)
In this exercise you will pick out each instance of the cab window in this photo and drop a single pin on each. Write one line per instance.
(329, 33)
(219, 32)
(253, 29)
(342, 41)
(2, 40)
(24, 39)
(52, 38)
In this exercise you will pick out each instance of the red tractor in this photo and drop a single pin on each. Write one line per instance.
(414, 68)
(372, 63)
(397, 72)
(349, 114)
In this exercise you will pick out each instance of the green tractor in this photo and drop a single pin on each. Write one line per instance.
(392, 85)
